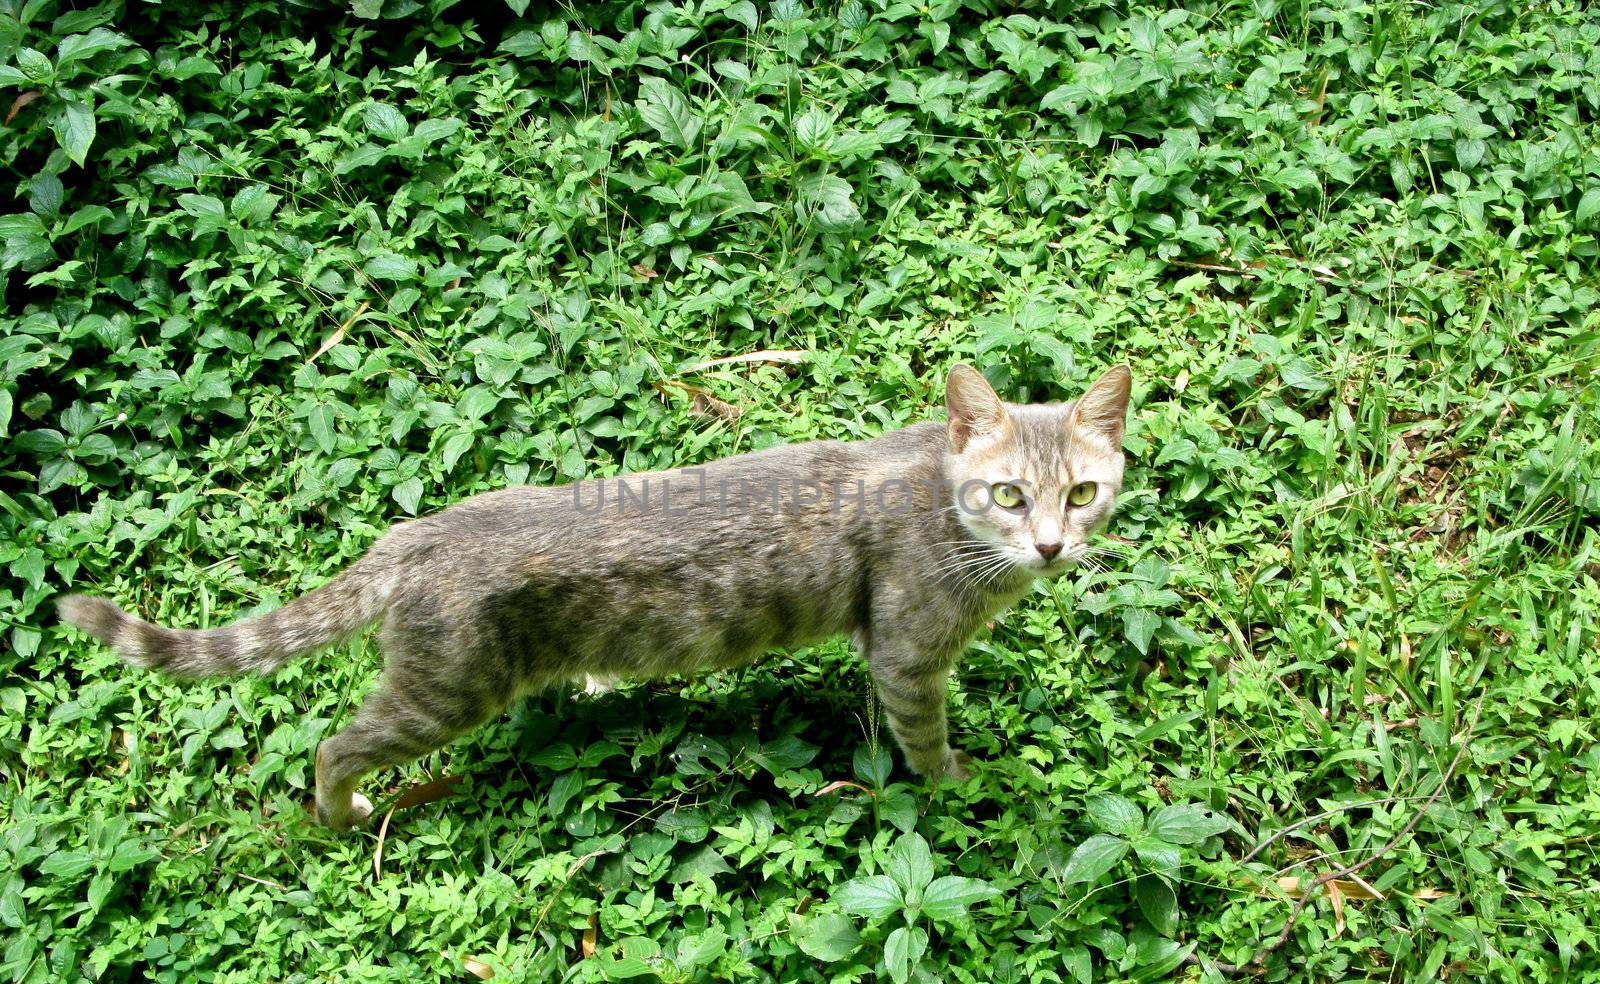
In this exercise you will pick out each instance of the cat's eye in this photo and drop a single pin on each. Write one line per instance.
(1010, 495)
(1081, 494)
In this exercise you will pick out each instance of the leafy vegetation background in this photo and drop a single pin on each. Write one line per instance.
(278, 276)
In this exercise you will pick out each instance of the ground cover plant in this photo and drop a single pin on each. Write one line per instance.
(279, 276)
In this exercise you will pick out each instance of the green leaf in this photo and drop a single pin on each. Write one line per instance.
(1093, 858)
(684, 824)
(67, 864)
(1113, 814)
(321, 422)
(75, 127)
(385, 121)
(910, 863)
(704, 863)
(391, 266)
(13, 911)
(45, 193)
(1158, 855)
(408, 494)
(1158, 902)
(631, 957)
(873, 896)
(948, 896)
(902, 950)
(1139, 626)
(829, 937)
(566, 786)
(814, 131)
(825, 200)
(1186, 823)
(78, 47)
(1588, 206)
(664, 108)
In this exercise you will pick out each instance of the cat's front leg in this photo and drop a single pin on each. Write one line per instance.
(913, 694)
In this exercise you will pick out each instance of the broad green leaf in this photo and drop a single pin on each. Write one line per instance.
(78, 47)
(628, 958)
(828, 937)
(391, 266)
(321, 422)
(408, 494)
(1186, 823)
(1158, 903)
(1113, 814)
(665, 109)
(1093, 858)
(566, 786)
(707, 862)
(948, 896)
(75, 127)
(1139, 626)
(873, 896)
(1159, 855)
(385, 121)
(67, 864)
(13, 911)
(1588, 206)
(902, 950)
(814, 131)
(910, 863)
(45, 193)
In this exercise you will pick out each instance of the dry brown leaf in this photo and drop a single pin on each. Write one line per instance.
(377, 852)
(428, 792)
(477, 968)
(1337, 898)
(338, 334)
(703, 403)
(1354, 888)
(591, 935)
(19, 102)
(804, 906)
(706, 405)
(782, 356)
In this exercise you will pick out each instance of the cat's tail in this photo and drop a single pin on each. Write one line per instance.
(331, 613)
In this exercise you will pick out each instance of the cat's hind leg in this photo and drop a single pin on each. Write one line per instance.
(405, 718)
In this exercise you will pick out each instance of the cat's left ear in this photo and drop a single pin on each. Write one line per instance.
(1103, 407)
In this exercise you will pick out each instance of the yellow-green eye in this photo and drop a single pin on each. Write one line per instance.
(1009, 495)
(1082, 494)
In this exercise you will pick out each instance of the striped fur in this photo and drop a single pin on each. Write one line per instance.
(330, 614)
(513, 591)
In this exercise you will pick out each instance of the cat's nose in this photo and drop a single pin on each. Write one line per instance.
(1048, 550)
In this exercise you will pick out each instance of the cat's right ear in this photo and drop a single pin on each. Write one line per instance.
(975, 410)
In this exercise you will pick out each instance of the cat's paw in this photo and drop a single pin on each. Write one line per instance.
(359, 813)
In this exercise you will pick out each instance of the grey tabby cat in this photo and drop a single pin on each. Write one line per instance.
(908, 542)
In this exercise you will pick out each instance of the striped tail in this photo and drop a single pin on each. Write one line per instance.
(331, 613)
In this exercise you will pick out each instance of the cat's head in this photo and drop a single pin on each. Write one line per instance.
(1034, 481)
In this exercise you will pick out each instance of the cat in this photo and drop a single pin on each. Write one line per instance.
(908, 542)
